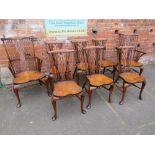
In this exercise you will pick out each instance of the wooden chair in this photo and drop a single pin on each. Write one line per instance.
(24, 65)
(81, 59)
(62, 77)
(104, 63)
(94, 78)
(53, 45)
(131, 39)
(126, 74)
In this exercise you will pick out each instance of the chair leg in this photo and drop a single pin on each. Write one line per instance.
(123, 93)
(141, 70)
(142, 88)
(103, 70)
(82, 101)
(51, 85)
(55, 110)
(40, 82)
(78, 77)
(89, 95)
(15, 90)
(110, 92)
(46, 81)
(114, 70)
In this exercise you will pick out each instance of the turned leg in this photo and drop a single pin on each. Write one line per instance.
(15, 90)
(141, 90)
(55, 110)
(89, 96)
(141, 70)
(110, 92)
(123, 93)
(50, 81)
(82, 101)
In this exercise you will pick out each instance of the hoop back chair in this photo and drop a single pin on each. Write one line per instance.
(23, 63)
(94, 79)
(104, 63)
(126, 54)
(63, 78)
(131, 39)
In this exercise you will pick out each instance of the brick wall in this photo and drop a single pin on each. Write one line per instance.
(107, 28)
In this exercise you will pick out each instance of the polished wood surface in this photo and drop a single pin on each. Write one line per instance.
(133, 63)
(106, 63)
(131, 77)
(66, 88)
(27, 76)
(99, 80)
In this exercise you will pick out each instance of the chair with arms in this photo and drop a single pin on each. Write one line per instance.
(24, 65)
(126, 74)
(81, 60)
(131, 39)
(104, 63)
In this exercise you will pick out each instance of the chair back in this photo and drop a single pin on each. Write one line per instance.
(20, 53)
(125, 56)
(78, 45)
(93, 55)
(64, 66)
(128, 39)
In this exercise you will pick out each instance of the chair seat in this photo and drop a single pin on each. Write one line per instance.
(106, 63)
(82, 66)
(99, 80)
(132, 77)
(65, 88)
(27, 76)
(134, 64)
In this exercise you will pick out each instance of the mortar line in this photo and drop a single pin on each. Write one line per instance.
(111, 108)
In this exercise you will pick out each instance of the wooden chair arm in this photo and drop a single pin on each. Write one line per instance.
(139, 54)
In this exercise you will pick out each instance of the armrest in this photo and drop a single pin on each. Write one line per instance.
(139, 54)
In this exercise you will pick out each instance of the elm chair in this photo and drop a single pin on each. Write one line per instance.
(95, 79)
(24, 65)
(81, 59)
(131, 39)
(126, 73)
(63, 78)
(52, 45)
(104, 63)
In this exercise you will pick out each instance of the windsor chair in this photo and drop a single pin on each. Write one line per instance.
(131, 39)
(24, 65)
(81, 59)
(104, 63)
(94, 79)
(53, 45)
(63, 78)
(126, 74)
